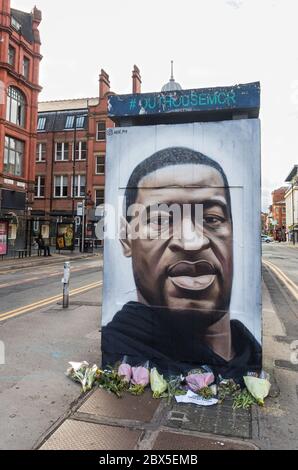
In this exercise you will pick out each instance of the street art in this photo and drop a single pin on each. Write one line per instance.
(221, 98)
(182, 276)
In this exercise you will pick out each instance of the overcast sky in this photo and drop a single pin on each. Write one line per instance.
(212, 43)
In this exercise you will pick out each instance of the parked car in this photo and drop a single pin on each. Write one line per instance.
(266, 239)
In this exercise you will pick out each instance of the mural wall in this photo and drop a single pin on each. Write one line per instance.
(182, 275)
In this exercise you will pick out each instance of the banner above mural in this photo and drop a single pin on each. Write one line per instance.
(239, 98)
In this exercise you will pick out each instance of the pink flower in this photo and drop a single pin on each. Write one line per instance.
(197, 381)
(125, 372)
(140, 376)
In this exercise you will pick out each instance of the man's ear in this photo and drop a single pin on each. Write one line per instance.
(125, 237)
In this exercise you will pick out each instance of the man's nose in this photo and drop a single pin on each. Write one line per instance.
(191, 237)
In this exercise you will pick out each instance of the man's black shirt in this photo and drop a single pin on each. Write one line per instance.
(168, 341)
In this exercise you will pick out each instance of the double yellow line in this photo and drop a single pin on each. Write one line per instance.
(45, 302)
(291, 286)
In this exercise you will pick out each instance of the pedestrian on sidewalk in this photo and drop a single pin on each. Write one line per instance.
(42, 245)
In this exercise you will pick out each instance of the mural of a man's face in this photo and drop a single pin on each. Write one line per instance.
(187, 273)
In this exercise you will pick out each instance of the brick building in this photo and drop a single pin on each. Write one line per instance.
(19, 88)
(62, 180)
(291, 198)
(278, 212)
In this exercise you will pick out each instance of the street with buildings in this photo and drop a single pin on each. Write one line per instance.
(54, 181)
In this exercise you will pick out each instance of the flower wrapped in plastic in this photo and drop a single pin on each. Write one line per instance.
(258, 388)
(139, 380)
(196, 382)
(125, 371)
(84, 374)
(158, 384)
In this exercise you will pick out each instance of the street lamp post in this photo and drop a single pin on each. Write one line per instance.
(74, 167)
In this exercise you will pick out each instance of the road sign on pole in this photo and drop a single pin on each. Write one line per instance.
(80, 208)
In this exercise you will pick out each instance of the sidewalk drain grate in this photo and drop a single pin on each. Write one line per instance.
(172, 441)
(220, 419)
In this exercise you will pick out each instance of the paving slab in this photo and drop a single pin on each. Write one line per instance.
(103, 404)
(78, 435)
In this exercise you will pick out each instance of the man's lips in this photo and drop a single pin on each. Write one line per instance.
(198, 275)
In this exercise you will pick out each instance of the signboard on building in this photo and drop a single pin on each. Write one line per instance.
(3, 237)
(195, 100)
(65, 236)
(182, 273)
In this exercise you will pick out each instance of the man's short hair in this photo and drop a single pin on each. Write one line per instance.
(169, 157)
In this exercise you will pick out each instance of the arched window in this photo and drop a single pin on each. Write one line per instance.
(16, 106)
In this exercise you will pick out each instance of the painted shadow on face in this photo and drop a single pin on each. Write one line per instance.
(192, 272)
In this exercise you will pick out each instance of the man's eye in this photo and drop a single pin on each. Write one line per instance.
(159, 221)
(213, 221)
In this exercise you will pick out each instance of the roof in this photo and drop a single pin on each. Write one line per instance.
(25, 20)
(171, 86)
(64, 105)
(56, 120)
(293, 173)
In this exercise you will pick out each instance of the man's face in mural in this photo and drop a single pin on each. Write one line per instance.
(189, 272)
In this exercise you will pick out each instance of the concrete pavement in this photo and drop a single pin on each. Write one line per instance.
(7, 264)
(100, 421)
(38, 345)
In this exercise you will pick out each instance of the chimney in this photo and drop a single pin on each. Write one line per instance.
(104, 84)
(136, 80)
(36, 20)
(36, 15)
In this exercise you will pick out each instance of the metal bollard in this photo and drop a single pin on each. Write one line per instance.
(65, 282)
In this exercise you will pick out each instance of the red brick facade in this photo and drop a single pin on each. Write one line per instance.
(279, 207)
(19, 88)
(69, 122)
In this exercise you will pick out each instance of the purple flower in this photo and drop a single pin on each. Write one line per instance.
(197, 381)
(125, 372)
(140, 376)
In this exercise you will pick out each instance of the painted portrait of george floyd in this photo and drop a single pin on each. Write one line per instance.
(182, 273)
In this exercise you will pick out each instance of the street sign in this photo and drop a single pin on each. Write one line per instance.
(77, 221)
(80, 208)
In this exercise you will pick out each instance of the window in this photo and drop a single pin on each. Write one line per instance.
(15, 109)
(99, 197)
(60, 186)
(15, 24)
(26, 67)
(61, 151)
(41, 123)
(80, 122)
(81, 150)
(74, 122)
(11, 56)
(100, 165)
(101, 130)
(13, 156)
(41, 150)
(80, 186)
(39, 186)
(69, 122)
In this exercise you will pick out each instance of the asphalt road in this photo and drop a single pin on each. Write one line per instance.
(39, 343)
(26, 286)
(283, 257)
